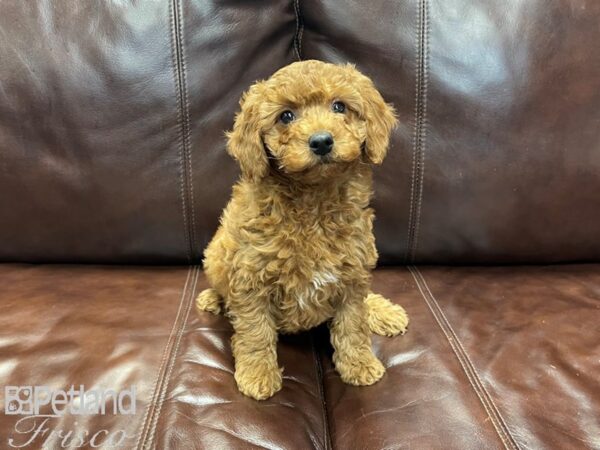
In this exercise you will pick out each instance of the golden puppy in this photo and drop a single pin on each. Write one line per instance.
(295, 247)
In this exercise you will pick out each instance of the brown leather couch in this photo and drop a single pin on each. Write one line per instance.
(113, 174)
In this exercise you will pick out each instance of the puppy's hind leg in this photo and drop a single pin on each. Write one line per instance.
(384, 317)
(209, 300)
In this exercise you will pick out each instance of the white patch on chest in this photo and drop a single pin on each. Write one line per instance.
(319, 280)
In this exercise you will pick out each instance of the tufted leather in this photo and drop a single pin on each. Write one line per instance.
(112, 120)
(112, 152)
(496, 159)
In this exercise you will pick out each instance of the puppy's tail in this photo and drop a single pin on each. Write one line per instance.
(209, 300)
(385, 318)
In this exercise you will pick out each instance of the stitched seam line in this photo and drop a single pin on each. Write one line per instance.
(161, 370)
(183, 120)
(423, 128)
(171, 364)
(320, 381)
(420, 129)
(179, 124)
(465, 361)
(301, 34)
(187, 134)
(416, 120)
(299, 31)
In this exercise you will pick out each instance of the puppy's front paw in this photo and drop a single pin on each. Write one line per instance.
(209, 300)
(258, 379)
(385, 318)
(363, 369)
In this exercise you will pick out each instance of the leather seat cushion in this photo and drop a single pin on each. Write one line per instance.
(495, 357)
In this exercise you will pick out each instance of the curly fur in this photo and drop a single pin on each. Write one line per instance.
(295, 247)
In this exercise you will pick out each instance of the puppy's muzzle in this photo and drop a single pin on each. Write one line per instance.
(321, 143)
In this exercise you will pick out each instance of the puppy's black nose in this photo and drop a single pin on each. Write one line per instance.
(321, 143)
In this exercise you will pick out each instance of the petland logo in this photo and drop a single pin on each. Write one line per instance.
(39, 405)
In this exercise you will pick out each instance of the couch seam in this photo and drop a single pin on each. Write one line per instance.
(464, 360)
(171, 363)
(180, 140)
(420, 130)
(423, 130)
(299, 30)
(320, 387)
(183, 120)
(414, 143)
(151, 405)
(187, 136)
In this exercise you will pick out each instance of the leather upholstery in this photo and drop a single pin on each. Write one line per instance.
(502, 357)
(496, 159)
(112, 120)
(112, 151)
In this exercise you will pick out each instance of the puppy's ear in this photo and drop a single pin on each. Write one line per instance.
(379, 116)
(244, 142)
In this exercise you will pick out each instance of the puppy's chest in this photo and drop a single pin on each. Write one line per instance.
(306, 298)
(309, 265)
(310, 259)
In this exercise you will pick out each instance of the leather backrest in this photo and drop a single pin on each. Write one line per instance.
(497, 159)
(111, 122)
(112, 117)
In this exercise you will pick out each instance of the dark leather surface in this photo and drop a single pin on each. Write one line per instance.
(101, 327)
(502, 357)
(496, 357)
(531, 336)
(513, 143)
(112, 120)
(112, 151)
(497, 158)
(88, 133)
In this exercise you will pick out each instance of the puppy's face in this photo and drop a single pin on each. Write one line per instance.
(312, 120)
(314, 131)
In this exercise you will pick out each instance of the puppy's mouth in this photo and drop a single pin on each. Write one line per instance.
(325, 159)
(320, 168)
(275, 163)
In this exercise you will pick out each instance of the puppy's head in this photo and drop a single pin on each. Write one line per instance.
(311, 120)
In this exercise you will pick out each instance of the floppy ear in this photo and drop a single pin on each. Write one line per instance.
(244, 142)
(379, 116)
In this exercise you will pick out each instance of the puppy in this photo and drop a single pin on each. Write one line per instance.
(295, 246)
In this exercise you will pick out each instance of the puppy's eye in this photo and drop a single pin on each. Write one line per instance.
(338, 107)
(287, 117)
